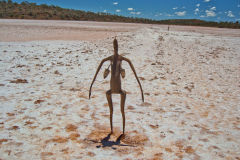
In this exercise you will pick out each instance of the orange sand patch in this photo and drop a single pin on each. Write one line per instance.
(74, 136)
(204, 114)
(82, 95)
(3, 140)
(14, 128)
(189, 149)
(153, 126)
(46, 128)
(71, 127)
(168, 149)
(15, 143)
(57, 139)
(33, 127)
(135, 139)
(130, 107)
(124, 151)
(44, 154)
(85, 108)
(179, 155)
(65, 150)
(10, 114)
(19, 81)
(91, 154)
(28, 122)
(98, 135)
(179, 144)
(146, 104)
(158, 156)
(105, 105)
(38, 101)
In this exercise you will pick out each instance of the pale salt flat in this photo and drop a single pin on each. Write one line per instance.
(190, 80)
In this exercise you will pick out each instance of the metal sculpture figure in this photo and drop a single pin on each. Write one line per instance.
(115, 82)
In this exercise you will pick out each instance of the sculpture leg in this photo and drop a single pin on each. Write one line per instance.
(109, 99)
(123, 98)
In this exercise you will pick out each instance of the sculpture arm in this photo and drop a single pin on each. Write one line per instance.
(95, 76)
(132, 67)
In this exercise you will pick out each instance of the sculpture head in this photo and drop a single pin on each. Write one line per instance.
(115, 46)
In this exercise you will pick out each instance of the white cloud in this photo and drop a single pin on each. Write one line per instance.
(230, 14)
(158, 14)
(130, 9)
(213, 8)
(137, 13)
(105, 11)
(210, 13)
(207, 0)
(196, 11)
(175, 8)
(238, 5)
(118, 10)
(183, 13)
(115, 3)
(169, 15)
(202, 16)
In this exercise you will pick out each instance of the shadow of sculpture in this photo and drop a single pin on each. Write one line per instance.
(105, 142)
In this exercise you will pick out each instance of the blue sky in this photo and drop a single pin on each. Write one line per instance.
(211, 10)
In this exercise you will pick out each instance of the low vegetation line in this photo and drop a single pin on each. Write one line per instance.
(26, 10)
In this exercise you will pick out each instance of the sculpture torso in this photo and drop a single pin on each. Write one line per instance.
(115, 82)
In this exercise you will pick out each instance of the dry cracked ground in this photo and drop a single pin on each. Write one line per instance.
(190, 82)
